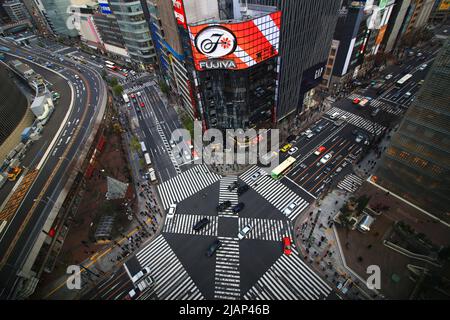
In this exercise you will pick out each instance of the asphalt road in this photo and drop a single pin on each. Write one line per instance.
(88, 89)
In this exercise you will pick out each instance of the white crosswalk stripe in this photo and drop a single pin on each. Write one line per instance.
(354, 96)
(247, 175)
(226, 195)
(167, 146)
(172, 280)
(266, 229)
(289, 278)
(279, 195)
(183, 224)
(186, 184)
(358, 121)
(227, 275)
(351, 183)
(385, 107)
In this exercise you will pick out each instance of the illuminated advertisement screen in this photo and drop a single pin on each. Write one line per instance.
(178, 10)
(237, 45)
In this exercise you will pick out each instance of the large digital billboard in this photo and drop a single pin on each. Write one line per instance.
(237, 45)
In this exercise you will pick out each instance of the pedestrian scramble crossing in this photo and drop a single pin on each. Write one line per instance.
(225, 194)
(289, 278)
(139, 87)
(183, 224)
(227, 275)
(186, 184)
(358, 121)
(275, 192)
(266, 229)
(172, 282)
(351, 183)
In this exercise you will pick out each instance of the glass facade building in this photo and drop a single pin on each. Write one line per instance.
(416, 165)
(59, 17)
(135, 30)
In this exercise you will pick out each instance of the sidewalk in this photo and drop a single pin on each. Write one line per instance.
(316, 239)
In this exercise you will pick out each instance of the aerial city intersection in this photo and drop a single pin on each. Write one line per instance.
(113, 188)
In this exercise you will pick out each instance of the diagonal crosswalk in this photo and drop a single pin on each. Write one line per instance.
(358, 121)
(289, 278)
(274, 192)
(171, 278)
(351, 183)
(226, 195)
(227, 275)
(266, 229)
(184, 223)
(186, 184)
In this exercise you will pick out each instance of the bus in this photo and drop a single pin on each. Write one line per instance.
(110, 65)
(283, 167)
(143, 147)
(402, 81)
(147, 159)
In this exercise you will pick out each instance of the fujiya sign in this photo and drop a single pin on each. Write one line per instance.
(217, 64)
(215, 42)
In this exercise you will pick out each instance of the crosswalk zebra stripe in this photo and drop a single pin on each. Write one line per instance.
(227, 275)
(172, 280)
(279, 195)
(358, 121)
(186, 184)
(266, 229)
(350, 183)
(226, 195)
(247, 175)
(289, 278)
(183, 224)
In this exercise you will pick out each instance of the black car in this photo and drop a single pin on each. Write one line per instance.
(242, 189)
(326, 170)
(290, 138)
(223, 205)
(355, 132)
(237, 208)
(201, 224)
(233, 186)
(213, 247)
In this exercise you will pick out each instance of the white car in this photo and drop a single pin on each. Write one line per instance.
(359, 138)
(292, 150)
(290, 208)
(140, 274)
(423, 67)
(171, 212)
(389, 76)
(187, 155)
(326, 158)
(408, 94)
(244, 231)
(139, 93)
(172, 144)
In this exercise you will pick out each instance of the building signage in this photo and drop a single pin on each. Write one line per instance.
(178, 10)
(215, 42)
(245, 43)
(217, 64)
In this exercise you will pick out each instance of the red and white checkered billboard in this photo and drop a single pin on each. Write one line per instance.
(236, 45)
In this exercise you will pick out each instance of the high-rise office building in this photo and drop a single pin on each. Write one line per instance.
(58, 15)
(416, 165)
(15, 10)
(134, 27)
(108, 28)
(39, 16)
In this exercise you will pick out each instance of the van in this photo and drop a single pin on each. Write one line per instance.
(335, 115)
(365, 223)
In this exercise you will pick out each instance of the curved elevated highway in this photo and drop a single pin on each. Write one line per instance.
(48, 165)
